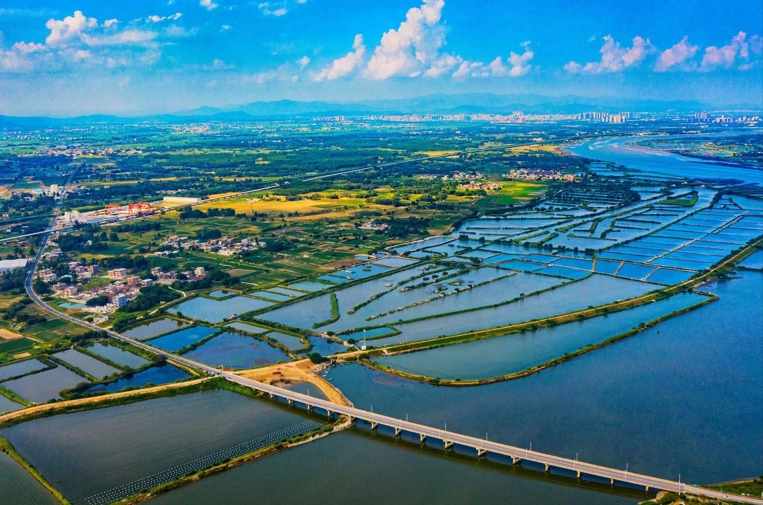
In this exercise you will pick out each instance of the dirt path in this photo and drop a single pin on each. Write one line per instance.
(94, 400)
(296, 372)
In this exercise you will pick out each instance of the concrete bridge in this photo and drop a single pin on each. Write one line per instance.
(449, 439)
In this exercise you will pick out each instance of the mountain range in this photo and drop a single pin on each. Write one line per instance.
(475, 103)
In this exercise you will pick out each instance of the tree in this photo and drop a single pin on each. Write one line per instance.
(316, 358)
(98, 301)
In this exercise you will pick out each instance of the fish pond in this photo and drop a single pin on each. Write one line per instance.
(156, 375)
(516, 352)
(44, 386)
(213, 311)
(233, 350)
(154, 328)
(117, 355)
(176, 341)
(92, 457)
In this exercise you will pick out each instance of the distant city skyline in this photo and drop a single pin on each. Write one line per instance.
(74, 58)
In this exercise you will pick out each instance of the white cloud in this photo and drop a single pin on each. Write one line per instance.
(614, 58)
(211, 84)
(442, 65)
(68, 27)
(346, 64)
(81, 54)
(278, 9)
(218, 64)
(520, 63)
(413, 48)
(726, 56)
(284, 73)
(472, 68)
(573, 67)
(209, 4)
(126, 37)
(28, 47)
(110, 22)
(158, 19)
(303, 62)
(678, 55)
(517, 65)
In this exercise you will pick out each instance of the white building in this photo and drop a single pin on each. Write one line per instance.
(12, 264)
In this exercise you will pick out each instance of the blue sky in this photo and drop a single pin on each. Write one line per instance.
(71, 57)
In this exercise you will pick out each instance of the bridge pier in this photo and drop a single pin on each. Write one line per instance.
(309, 407)
(515, 460)
(398, 431)
(329, 413)
(448, 444)
(374, 425)
(646, 488)
(422, 438)
(481, 452)
(548, 467)
(578, 472)
(289, 401)
(612, 481)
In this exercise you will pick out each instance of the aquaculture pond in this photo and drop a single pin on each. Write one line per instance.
(754, 261)
(394, 262)
(44, 386)
(289, 341)
(591, 291)
(288, 292)
(117, 355)
(7, 405)
(249, 328)
(154, 328)
(325, 347)
(221, 293)
(276, 297)
(370, 333)
(232, 350)
(19, 487)
(434, 299)
(156, 375)
(92, 457)
(516, 352)
(309, 286)
(179, 339)
(602, 404)
(90, 366)
(20, 368)
(214, 311)
(410, 475)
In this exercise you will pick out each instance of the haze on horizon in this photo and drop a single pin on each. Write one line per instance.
(71, 58)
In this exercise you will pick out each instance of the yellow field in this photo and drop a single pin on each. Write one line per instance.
(9, 335)
(544, 148)
(436, 153)
(307, 208)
